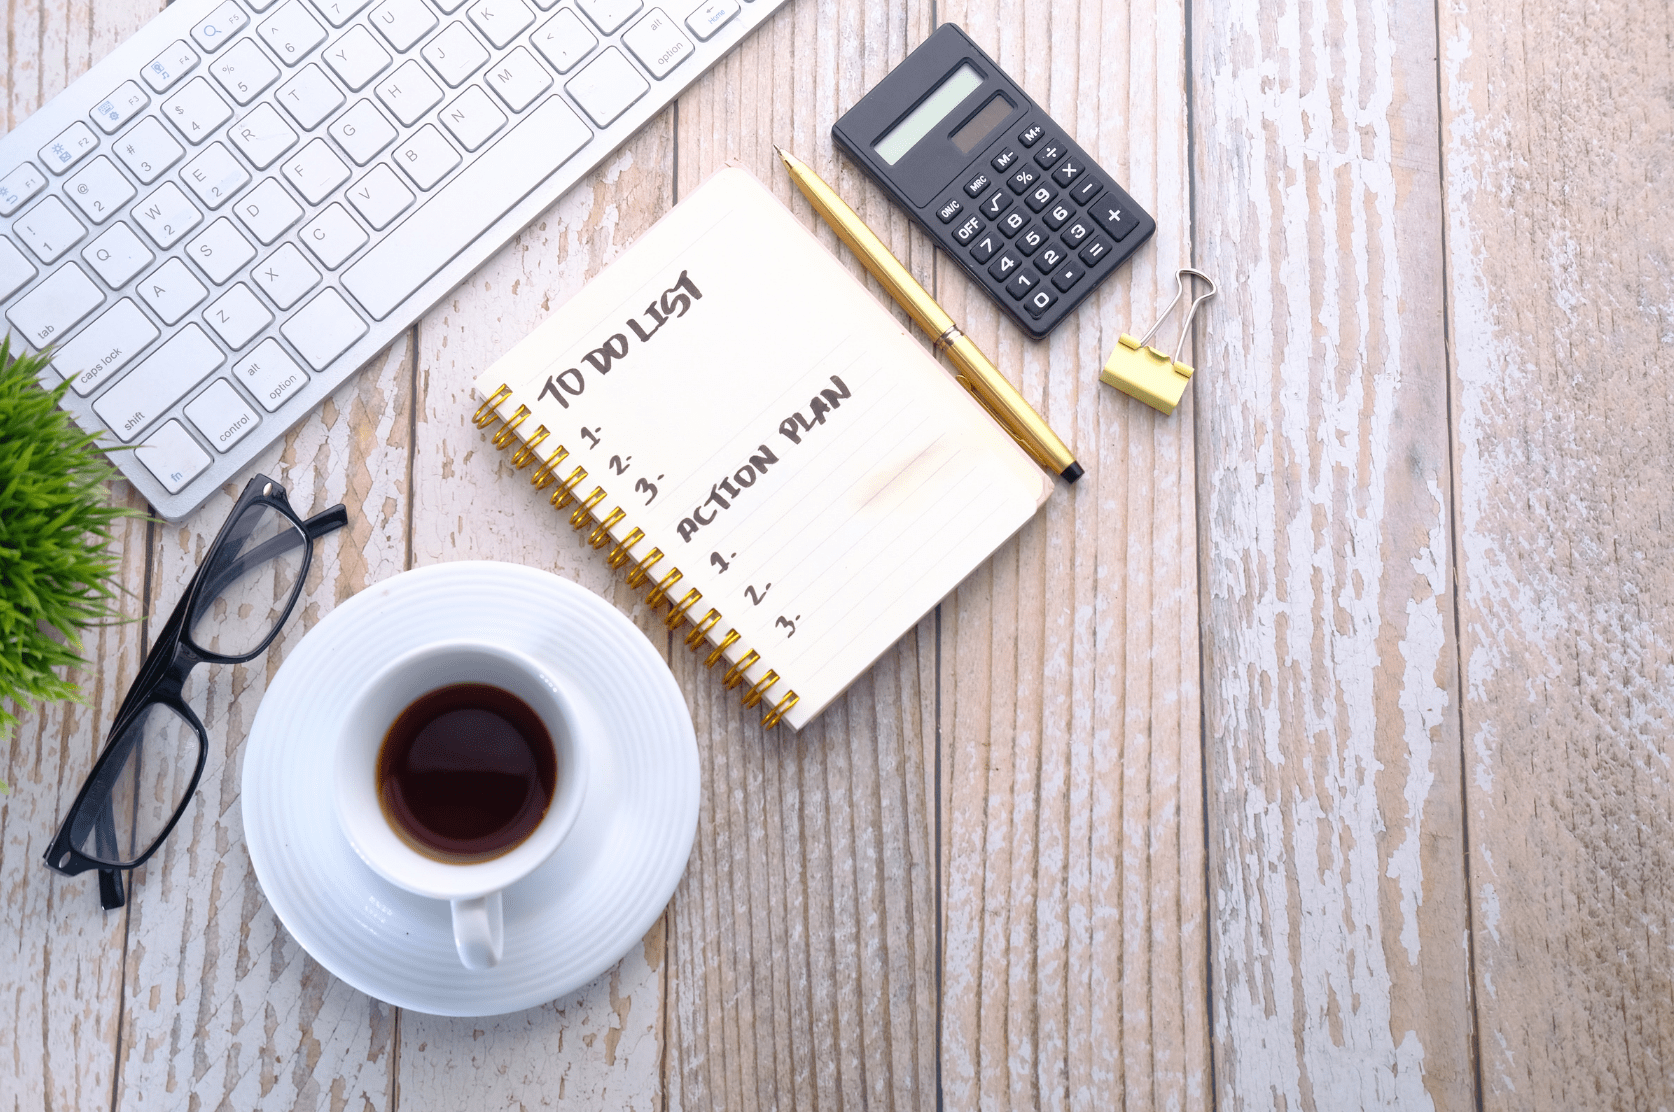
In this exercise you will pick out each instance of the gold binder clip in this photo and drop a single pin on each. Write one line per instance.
(1145, 373)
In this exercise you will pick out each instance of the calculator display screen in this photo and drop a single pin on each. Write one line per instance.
(980, 126)
(934, 110)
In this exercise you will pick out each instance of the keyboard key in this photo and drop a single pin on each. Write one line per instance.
(167, 215)
(519, 79)
(1005, 266)
(357, 58)
(18, 186)
(1030, 240)
(172, 291)
(315, 170)
(1022, 281)
(976, 186)
(455, 54)
(215, 175)
(472, 118)
(1040, 301)
(998, 201)
(15, 269)
(223, 23)
(608, 15)
(967, 231)
(128, 101)
(564, 40)
(426, 158)
(1086, 189)
(270, 374)
(285, 276)
(500, 21)
(291, 32)
(950, 208)
(607, 86)
(1068, 172)
(1042, 196)
(1077, 231)
(657, 42)
(1114, 214)
(309, 97)
(73, 144)
(460, 211)
(170, 66)
(711, 17)
(333, 236)
(1049, 154)
(1030, 135)
(409, 93)
(1005, 160)
(173, 456)
(323, 329)
(244, 71)
(220, 251)
(339, 12)
(379, 197)
(403, 22)
(117, 256)
(362, 132)
(58, 304)
(267, 211)
(985, 246)
(147, 150)
(151, 389)
(196, 111)
(1097, 248)
(1051, 257)
(99, 189)
(1056, 215)
(1013, 222)
(263, 136)
(104, 347)
(237, 317)
(1022, 181)
(448, 6)
(1068, 275)
(49, 229)
(221, 415)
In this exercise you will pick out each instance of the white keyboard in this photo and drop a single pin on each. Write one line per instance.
(225, 218)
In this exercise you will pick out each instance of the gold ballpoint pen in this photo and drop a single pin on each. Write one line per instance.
(975, 372)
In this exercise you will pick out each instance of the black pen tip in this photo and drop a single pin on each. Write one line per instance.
(1073, 472)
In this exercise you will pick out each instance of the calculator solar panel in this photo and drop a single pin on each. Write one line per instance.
(994, 179)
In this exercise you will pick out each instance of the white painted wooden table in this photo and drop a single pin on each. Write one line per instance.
(1312, 752)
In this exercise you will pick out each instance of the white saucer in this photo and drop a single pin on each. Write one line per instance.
(567, 922)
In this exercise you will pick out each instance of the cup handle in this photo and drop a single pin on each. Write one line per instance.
(479, 931)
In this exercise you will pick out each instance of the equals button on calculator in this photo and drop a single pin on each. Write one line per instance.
(995, 181)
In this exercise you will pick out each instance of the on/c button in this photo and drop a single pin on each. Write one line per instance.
(711, 17)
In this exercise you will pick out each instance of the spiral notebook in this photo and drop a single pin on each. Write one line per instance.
(745, 430)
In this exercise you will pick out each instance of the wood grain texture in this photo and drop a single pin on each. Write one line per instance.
(1335, 838)
(1561, 266)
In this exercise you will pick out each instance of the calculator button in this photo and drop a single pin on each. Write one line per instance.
(1068, 275)
(1021, 283)
(1042, 196)
(1040, 301)
(1077, 231)
(1057, 214)
(1021, 181)
(969, 230)
(950, 208)
(1067, 172)
(1047, 155)
(1114, 215)
(1005, 266)
(986, 245)
(1030, 240)
(976, 185)
(1097, 248)
(1005, 160)
(1086, 189)
(1030, 135)
(997, 203)
(1014, 222)
(1051, 258)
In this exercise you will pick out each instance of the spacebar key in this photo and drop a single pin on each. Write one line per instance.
(462, 210)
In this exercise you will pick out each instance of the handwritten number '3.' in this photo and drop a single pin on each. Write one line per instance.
(786, 622)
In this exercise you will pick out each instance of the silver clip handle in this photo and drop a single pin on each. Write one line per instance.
(1186, 325)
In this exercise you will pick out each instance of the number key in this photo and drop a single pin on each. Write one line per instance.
(976, 185)
(1021, 283)
(1051, 258)
(1004, 160)
(1077, 231)
(949, 210)
(1057, 214)
(967, 231)
(1014, 222)
(1042, 196)
(1022, 180)
(292, 32)
(1067, 172)
(997, 203)
(1047, 155)
(99, 190)
(985, 246)
(1030, 240)
(1030, 135)
(148, 150)
(1005, 266)
(1040, 301)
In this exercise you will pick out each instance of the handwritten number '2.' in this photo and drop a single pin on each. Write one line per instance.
(756, 598)
(620, 465)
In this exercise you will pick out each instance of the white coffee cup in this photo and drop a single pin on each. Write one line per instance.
(472, 888)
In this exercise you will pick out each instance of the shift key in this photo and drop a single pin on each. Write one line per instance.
(147, 392)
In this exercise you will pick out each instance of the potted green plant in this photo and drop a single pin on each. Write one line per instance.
(56, 560)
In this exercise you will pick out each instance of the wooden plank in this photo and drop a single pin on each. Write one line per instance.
(802, 951)
(602, 1045)
(1557, 133)
(1075, 957)
(1336, 840)
(221, 1003)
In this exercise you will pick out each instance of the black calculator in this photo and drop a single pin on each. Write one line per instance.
(998, 184)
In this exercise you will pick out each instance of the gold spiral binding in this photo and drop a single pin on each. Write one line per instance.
(637, 572)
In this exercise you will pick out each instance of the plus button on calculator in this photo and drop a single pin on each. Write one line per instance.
(993, 179)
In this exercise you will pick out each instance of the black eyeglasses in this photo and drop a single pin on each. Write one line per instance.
(233, 608)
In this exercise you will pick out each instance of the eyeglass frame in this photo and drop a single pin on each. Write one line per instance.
(162, 678)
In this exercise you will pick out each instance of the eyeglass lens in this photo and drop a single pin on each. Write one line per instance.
(250, 585)
(128, 805)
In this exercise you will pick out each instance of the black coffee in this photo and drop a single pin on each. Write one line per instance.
(466, 773)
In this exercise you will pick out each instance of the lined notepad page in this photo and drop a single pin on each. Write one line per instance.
(771, 427)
